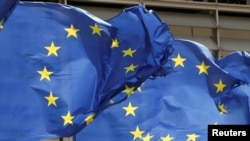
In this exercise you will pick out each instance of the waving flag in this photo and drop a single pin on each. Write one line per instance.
(200, 91)
(60, 65)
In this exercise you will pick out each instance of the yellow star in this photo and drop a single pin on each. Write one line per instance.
(137, 133)
(128, 52)
(128, 90)
(130, 109)
(45, 74)
(203, 68)
(96, 29)
(1, 24)
(130, 68)
(71, 31)
(52, 49)
(89, 119)
(68, 119)
(222, 108)
(115, 43)
(51, 99)
(147, 138)
(192, 137)
(220, 86)
(179, 61)
(167, 138)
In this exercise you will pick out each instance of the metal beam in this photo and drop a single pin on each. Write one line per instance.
(193, 5)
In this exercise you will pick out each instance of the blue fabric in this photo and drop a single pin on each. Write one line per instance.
(61, 65)
(6, 8)
(181, 105)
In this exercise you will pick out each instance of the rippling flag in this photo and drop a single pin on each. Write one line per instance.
(200, 91)
(60, 65)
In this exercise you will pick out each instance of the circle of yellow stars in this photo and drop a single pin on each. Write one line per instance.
(46, 74)
(130, 109)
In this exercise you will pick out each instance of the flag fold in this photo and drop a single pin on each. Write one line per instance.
(6, 8)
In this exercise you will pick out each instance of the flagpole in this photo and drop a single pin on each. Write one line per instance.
(141, 2)
(62, 1)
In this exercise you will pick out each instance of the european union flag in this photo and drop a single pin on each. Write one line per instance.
(60, 65)
(200, 91)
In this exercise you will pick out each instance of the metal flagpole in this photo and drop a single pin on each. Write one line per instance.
(141, 2)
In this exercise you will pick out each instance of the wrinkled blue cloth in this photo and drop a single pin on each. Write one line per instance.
(60, 65)
(200, 91)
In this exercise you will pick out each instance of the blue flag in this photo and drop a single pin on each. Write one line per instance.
(60, 65)
(6, 8)
(200, 91)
